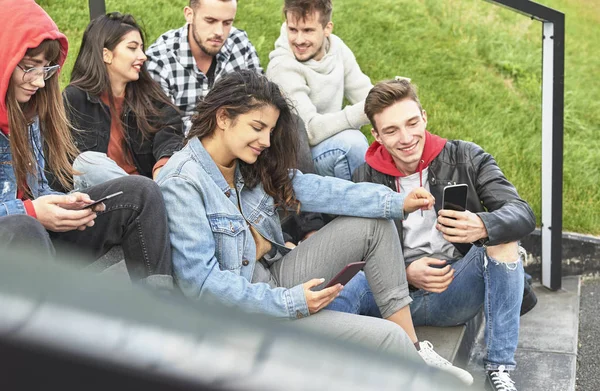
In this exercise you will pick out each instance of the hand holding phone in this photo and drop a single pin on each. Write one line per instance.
(317, 300)
(456, 223)
(455, 198)
(101, 200)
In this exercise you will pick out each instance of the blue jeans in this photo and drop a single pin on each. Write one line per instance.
(341, 154)
(95, 168)
(478, 281)
(356, 298)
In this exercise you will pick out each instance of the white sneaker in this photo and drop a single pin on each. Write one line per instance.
(433, 359)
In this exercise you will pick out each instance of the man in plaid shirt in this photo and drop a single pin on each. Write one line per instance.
(187, 61)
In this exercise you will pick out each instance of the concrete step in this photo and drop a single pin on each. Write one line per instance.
(547, 351)
(453, 343)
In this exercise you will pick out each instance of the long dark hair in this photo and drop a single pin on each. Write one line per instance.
(143, 96)
(47, 104)
(239, 93)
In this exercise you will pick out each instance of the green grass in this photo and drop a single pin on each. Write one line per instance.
(477, 65)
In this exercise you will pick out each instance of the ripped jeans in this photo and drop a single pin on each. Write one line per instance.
(479, 280)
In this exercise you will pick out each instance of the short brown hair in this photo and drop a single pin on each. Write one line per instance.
(196, 3)
(386, 93)
(304, 8)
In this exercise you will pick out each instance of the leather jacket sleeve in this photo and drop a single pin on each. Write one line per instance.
(507, 217)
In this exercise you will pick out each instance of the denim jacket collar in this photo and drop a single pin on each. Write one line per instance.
(211, 168)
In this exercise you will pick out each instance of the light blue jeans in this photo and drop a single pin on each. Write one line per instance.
(341, 154)
(356, 298)
(478, 281)
(95, 168)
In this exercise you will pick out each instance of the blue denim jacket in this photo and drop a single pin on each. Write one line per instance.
(213, 248)
(9, 204)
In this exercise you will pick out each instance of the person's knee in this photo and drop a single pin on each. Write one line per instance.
(505, 253)
(25, 233)
(385, 225)
(87, 160)
(148, 189)
(25, 228)
(355, 147)
(394, 339)
(355, 142)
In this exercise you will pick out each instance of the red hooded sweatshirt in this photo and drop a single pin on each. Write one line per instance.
(380, 159)
(25, 26)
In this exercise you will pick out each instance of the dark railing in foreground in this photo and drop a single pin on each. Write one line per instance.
(553, 71)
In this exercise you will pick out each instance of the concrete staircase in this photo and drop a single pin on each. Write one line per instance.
(547, 350)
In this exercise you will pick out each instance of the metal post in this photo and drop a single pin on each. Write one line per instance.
(97, 8)
(553, 70)
(553, 280)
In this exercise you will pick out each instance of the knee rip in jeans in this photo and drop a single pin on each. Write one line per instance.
(510, 266)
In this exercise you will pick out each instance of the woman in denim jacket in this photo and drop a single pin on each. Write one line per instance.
(35, 134)
(221, 191)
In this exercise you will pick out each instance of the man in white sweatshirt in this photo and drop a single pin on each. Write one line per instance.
(317, 70)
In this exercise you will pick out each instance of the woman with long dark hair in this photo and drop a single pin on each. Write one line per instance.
(237, 166)
(35, 135)
(123, 123)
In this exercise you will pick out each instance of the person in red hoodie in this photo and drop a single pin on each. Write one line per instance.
(35, 135)
(456, 261)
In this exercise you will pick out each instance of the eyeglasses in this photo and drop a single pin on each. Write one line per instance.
(34, 73)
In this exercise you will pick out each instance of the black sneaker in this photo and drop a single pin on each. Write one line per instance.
(500, 380)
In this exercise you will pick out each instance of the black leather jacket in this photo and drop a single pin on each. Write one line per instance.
(491, 196)
(91, 120)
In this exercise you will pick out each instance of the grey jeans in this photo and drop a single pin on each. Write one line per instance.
(324, 254)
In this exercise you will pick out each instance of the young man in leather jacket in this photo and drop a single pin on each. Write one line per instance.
(456, 262)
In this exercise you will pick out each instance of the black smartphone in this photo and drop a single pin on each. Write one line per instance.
(455, 197)
(101, 200)
(346, 274)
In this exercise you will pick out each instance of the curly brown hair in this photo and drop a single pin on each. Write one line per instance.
(239, 93)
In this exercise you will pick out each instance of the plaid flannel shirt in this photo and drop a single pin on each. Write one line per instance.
(170, 63)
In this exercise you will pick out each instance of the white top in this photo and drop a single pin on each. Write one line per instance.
(317, 88)
(420, 237)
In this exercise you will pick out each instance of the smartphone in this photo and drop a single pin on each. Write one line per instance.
(101, 200)
(346, 274)
(455, 197)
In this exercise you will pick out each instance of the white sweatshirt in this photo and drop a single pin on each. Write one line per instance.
(317, 88)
